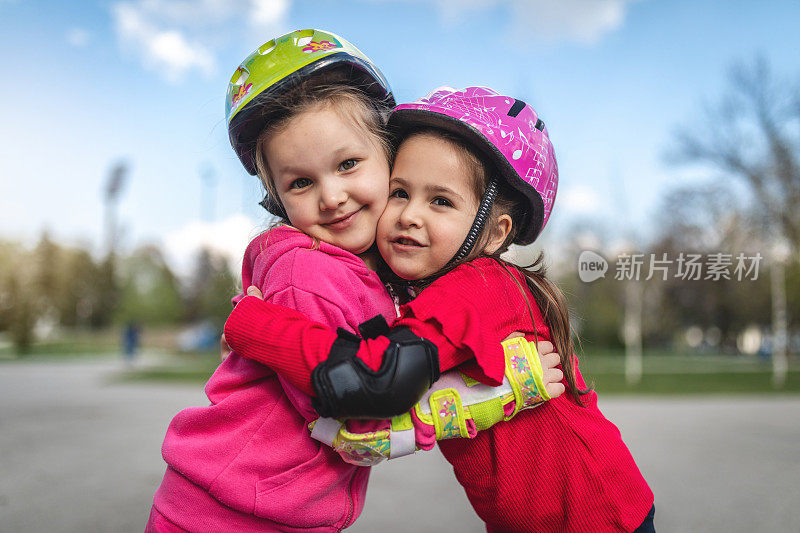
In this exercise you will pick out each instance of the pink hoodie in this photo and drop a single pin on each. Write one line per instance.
(247, 461)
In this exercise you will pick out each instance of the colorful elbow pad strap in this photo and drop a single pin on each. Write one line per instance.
(456, 407)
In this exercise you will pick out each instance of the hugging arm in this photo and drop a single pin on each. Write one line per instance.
(379, 376)
(362, 380)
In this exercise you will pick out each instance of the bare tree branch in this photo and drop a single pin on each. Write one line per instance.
(753, 136)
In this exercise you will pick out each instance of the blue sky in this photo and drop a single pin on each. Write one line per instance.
(85, 84)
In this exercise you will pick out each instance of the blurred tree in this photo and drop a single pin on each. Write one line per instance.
(80, 298)
(105, 292)
(17, 312)
(149, 292)
(23, 312)
(46, 266)
(8, 255)
(210, 288)
(595, 308)
(69, 287)
(793, 293)
(700, 220)
(753, 136)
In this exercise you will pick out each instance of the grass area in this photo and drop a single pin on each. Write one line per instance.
(676, 373)
(70, 347)
(664, 372)
(85, 342)
(694, 383)
(666, 362)
(183, 368)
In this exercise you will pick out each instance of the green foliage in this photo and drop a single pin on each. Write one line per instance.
(67, 287)
(210, 289)
(595, 309)
(793, 294)
(149, 291)
(696, 383)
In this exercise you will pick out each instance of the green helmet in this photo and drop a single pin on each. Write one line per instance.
(280, 64)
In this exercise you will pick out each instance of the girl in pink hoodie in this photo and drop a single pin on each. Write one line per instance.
(315, 138)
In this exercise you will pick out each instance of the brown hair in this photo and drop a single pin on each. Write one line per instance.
(332, 90)
(547, 295)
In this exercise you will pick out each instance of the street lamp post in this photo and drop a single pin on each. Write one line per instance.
(114, 183)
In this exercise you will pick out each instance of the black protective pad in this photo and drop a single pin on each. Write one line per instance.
(346, 387)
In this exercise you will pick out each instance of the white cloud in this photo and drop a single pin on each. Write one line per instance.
(580, 199)
(168, 52)
(268, 13)
(77, 37)
(170, 36)
(228, 237)
(583, 21)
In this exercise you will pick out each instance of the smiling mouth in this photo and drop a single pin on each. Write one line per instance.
(406, 241)
(342, 218)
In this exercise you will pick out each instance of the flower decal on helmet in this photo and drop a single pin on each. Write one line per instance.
(241, 93)
(318, 47)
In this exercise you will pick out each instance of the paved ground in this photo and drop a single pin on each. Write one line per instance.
(80, 453)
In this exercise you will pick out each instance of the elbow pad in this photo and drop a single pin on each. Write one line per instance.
(346, 387)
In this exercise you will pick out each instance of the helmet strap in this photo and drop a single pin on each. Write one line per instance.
(273, 206)
(484, 209)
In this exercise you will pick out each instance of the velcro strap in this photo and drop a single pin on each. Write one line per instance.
(374, 327)
(448, 414)
(403, 443)
(487, 414)
(402, 436)
(524, 372)
(345, 346)
(325, 430)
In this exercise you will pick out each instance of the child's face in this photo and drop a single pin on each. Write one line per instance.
(431, 207)
(330, 176)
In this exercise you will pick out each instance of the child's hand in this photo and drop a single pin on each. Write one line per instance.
(252, 290)
(552, 376)
(224, 349)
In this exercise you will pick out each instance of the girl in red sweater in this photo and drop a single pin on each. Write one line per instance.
(477, 168)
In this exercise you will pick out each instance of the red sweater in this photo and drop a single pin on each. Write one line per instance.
(560, 467)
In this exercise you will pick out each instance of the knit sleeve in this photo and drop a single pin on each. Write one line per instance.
(454, 314)
(287, 341)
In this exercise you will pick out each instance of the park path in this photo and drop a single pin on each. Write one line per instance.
(79, 452)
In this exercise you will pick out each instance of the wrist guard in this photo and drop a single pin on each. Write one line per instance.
(346, 387)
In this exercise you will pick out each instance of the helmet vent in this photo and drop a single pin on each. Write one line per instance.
(518, 106)
(240, 76)
(267, 47)
(539, 124)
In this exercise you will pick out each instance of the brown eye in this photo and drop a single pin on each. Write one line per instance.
(347, 164)
(398, 193)
(442, 202)
(300, 183)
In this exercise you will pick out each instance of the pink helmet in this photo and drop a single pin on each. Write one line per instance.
(508, 131)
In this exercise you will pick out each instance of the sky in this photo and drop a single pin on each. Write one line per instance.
(88, 84)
